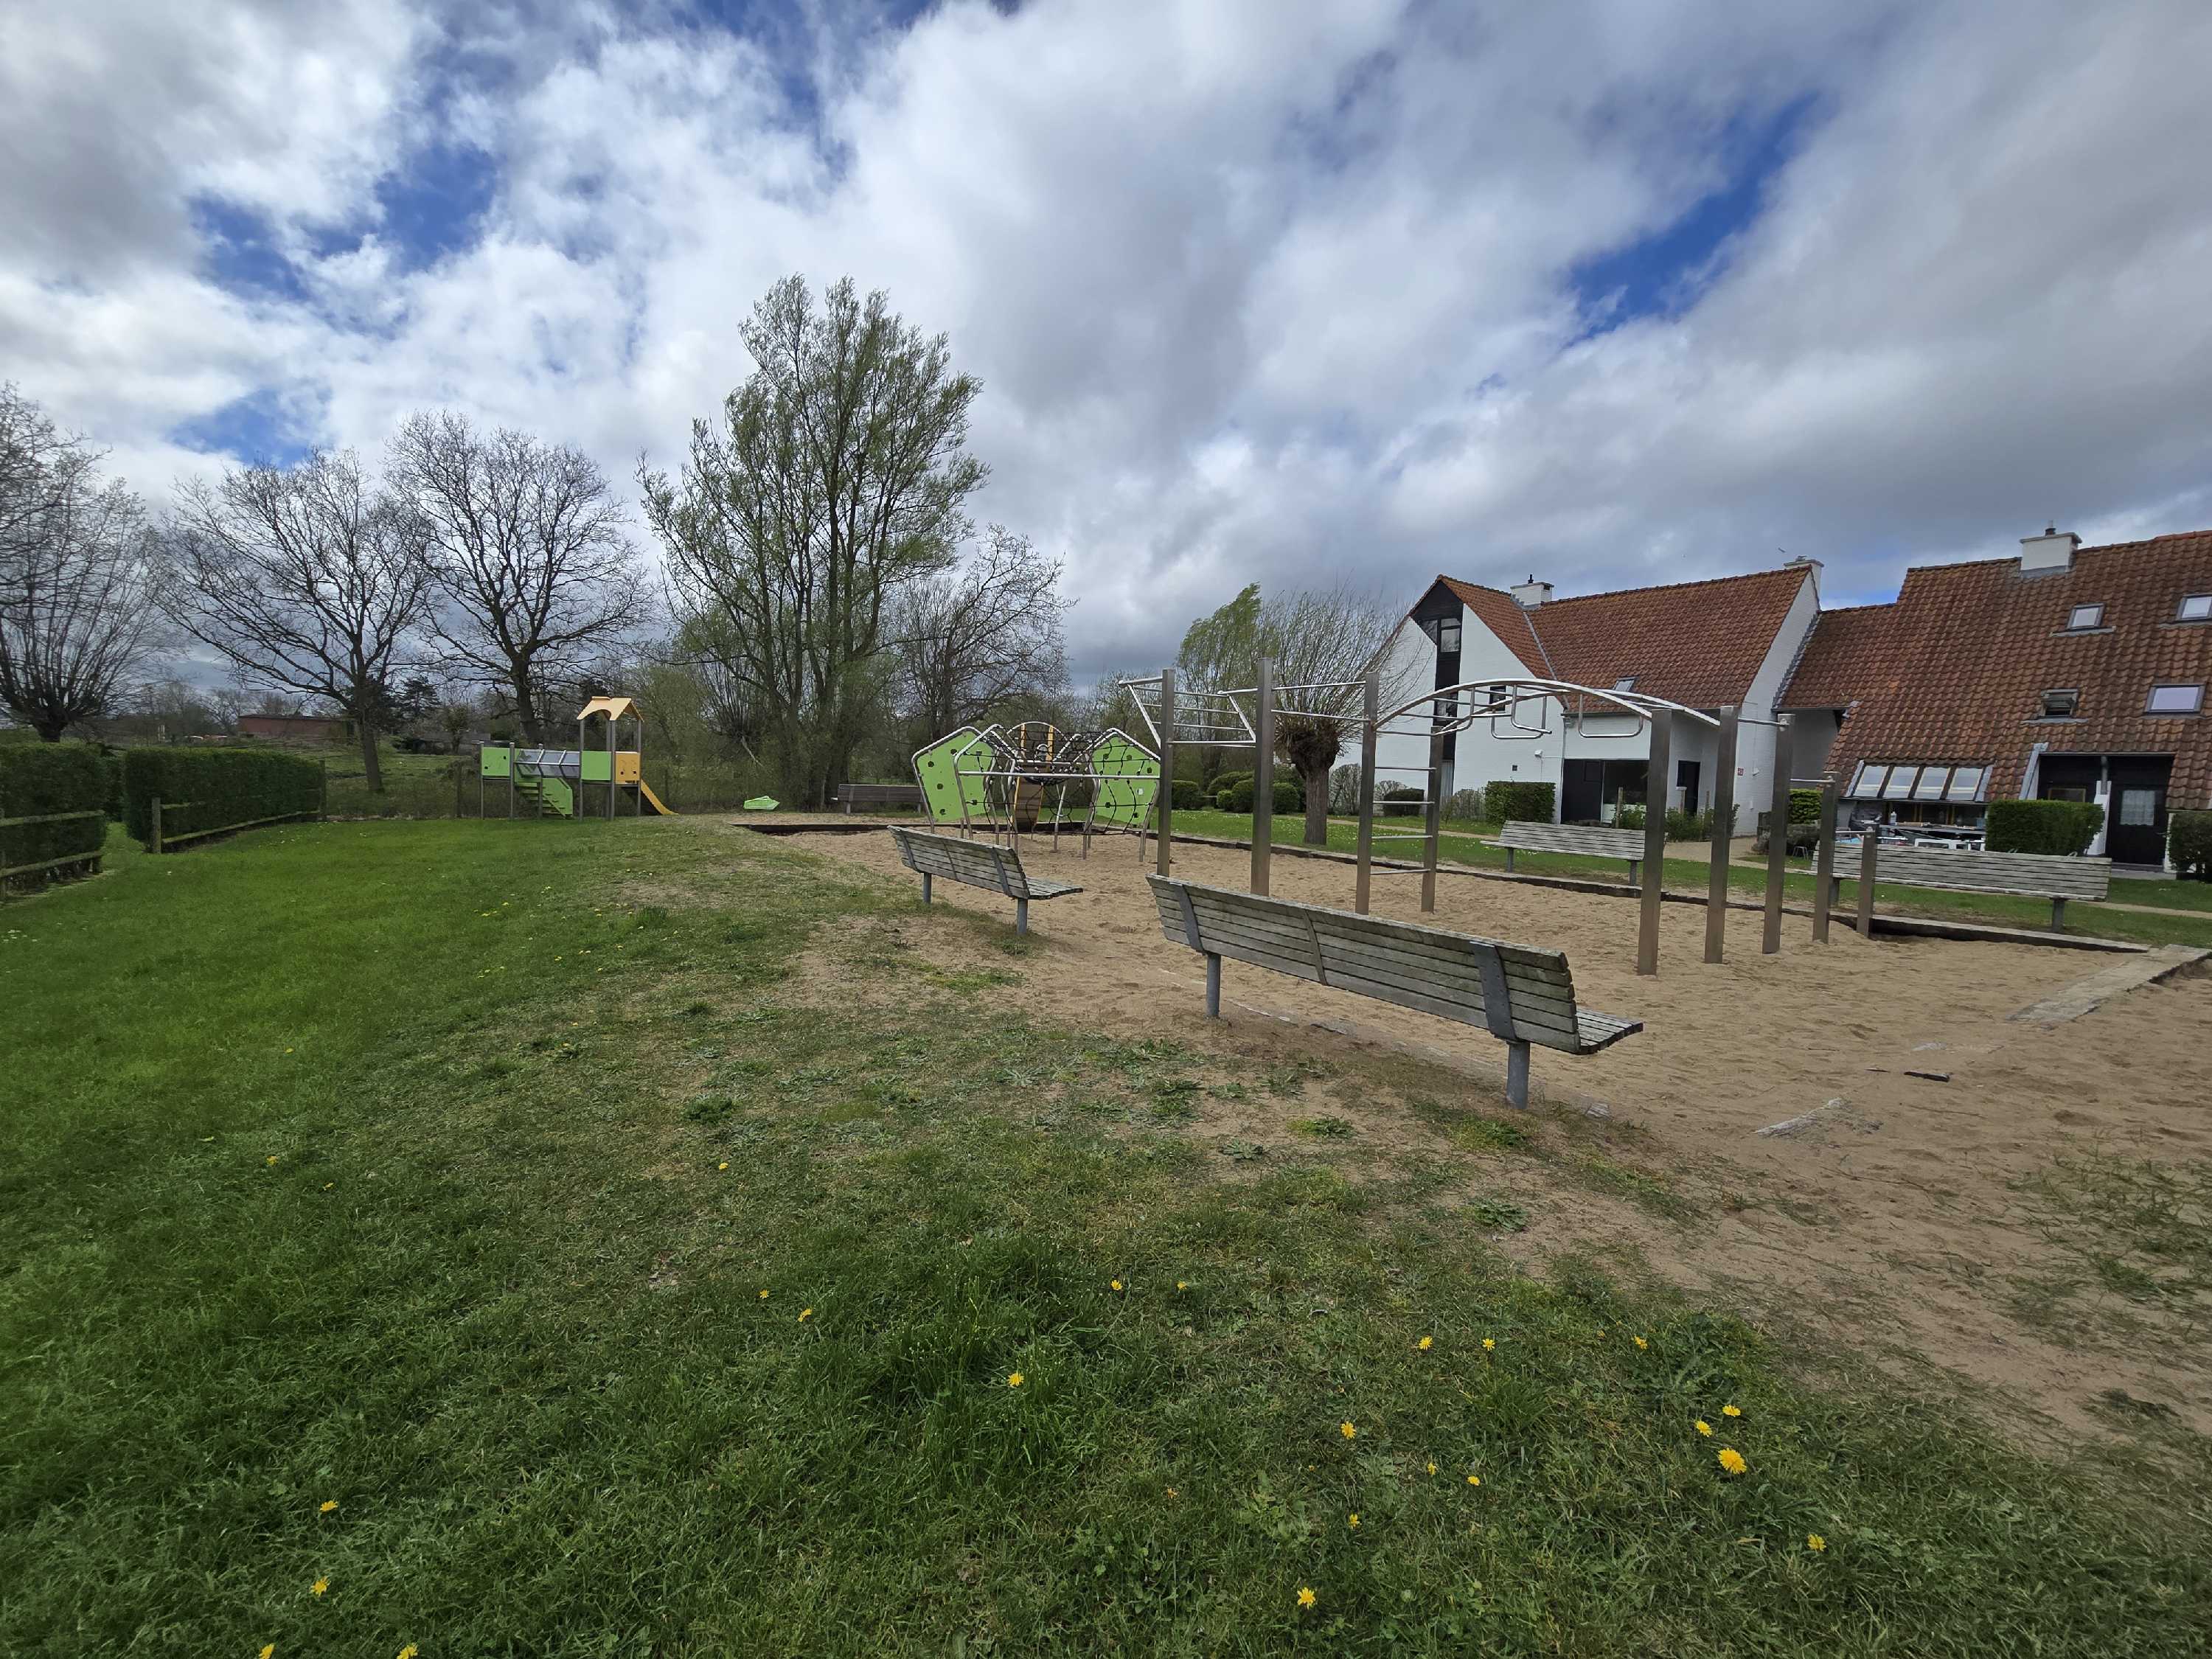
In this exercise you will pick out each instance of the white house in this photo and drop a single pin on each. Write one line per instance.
(1706, 644)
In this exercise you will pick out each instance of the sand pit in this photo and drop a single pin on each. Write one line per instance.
(1892, 1217)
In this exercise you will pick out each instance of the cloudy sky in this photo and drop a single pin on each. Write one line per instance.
(1615, 292)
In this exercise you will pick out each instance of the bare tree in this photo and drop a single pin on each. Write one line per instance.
(835, 479)
(303, 579)
(529, 549)
(77, 613)
(969, 639)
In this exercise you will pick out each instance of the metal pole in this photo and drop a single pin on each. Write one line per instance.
(1824, 864)
(1777, 837)
(611, 767)
(1434, 823)
(1373, 707)
(1263, 780)
(1716, 884)
(1655, 774)
(1167, 767)
(510, 780)
(1869, 839)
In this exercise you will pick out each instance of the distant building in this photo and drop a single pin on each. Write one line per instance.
(296, 728)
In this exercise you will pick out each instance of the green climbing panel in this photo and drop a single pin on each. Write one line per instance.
(942, 787)
(492, 762)
(1128, 779)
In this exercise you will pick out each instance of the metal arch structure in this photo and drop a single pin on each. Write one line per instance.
(998, 779)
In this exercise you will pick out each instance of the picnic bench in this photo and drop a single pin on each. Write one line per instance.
(977, 864)
(1596, 840)
(1520, 994)
(2029, 875)
(850, 795)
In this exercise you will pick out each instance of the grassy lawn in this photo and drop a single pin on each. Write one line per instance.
(2191, 903)
(475, 1236)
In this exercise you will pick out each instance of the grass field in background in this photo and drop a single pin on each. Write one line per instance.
(474, 1236)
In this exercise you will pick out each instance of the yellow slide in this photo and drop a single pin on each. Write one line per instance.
(653, 800)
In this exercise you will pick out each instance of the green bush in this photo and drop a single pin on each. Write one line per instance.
(37, 779)
(1688, 826)
(2188, 844)
(1397, 800)
(223, 787)
(1520, 803)
(1238, 797)
(1186, 796)
(1804, 806)
(2057, 827)
(1226, 781)
(1629, 817)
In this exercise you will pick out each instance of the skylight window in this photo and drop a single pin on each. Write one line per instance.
(2195, 607)
(1869, 783)
(1899, 787)
(1625, 682)
(2176, 699)
(1967, 783)
(2082, 618)
(1932, 780)
(2060, 705)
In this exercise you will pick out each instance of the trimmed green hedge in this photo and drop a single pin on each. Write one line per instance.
(40, 778)
(1238, 797)
(1804, 806)
(2057, 827)
(1187, 795)
(1519, 803)
(224, 786)
(2188, 844)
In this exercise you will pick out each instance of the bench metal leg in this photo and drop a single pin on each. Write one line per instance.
(1213, 986)
(1632, 864)
(2058, 915)
(1509, 860)
(1021, 915)
(1516, 1074)
(924, 888)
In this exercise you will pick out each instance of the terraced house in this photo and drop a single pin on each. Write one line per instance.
(2068, 672)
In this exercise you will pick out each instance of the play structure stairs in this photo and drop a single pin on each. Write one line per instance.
(552, 794)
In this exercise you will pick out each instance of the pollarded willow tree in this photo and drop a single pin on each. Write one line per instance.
(834, 480)
(304, 578)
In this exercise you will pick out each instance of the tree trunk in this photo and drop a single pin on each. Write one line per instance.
(369, 765)
(1317, 808)
(525, 708)
(50, 730)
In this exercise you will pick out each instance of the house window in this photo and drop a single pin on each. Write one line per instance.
(2082, 617)
(2195, 607)
(2176, 699)
(2060, 705)
(1448, 636)
(1625, 682)
(1869, 783)
(1932, 780)
(1967, 783)
(1899, 787)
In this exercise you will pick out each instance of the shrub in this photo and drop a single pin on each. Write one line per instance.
(1804, 806)
(1520, 803)
(1464, 806)
(1238, 797)
(1227, 780)
(2188, 844)
(1186, 796)
(2057, 827)
(223, 787)
(37, 779)
(1629, 817)
(1688, 826)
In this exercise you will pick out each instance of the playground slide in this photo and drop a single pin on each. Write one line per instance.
(653, 800)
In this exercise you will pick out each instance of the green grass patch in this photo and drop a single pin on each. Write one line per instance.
(360, 1164)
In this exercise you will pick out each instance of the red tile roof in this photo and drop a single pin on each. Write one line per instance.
(1955, 668)
(1698, 643)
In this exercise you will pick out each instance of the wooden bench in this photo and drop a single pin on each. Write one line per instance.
(1519, 994)
(1595, 841)
(851, 795)
(977, 864)
(2029, 875)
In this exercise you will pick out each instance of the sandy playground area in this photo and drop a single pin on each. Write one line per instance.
(1903, 1222)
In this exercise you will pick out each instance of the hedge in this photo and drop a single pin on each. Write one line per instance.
(2059, 827)
(1520, 803)
(2188, 844)
(1187, 795)
(1238, 797)
(224, 786)
(37, 779)
(1804, 806)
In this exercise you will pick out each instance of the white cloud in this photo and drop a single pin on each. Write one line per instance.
(1256, 291)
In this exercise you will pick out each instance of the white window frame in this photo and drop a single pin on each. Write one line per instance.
(2202, 612)
(2075, 625)
(2195, 689)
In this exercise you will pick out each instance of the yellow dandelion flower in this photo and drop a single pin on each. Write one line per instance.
(724, 1164)
(1489, 1343)
(1348, 1431)
(1015, 1379)
(1116, 1284)
(1305, 1596)
(328, 1504)
(1432, 1468)
(1182, 1284)
(764, 1295)
(1171, 1492)
(268, 1650)
(1641, 1343)
(1425, 1344)
(1815, 1542)
(805, 1314)
(1732, 1459)
(1474, 1480)
(272, 1158)
(408, 1651)
(1731, 1410)
(1703, 1427)
(1353, 1521)
(321, 1585)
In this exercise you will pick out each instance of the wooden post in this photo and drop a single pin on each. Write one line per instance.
(510, 780)
(611, 770)
(1263, 779)
(1434, 823)
(1368, 739)
(1167, 769)
(1824, 864)
(1869, 842)
(1777, 837)
(156, 844)
(1716, 884)
(322, 788)
(1656, 774)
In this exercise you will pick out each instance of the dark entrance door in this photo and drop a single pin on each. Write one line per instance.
(1580, 785)
(1686, 779)
(2136, 818)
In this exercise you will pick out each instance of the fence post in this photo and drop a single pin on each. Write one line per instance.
(156, 846)
(1869, 839)
(1167, 767)
(1777, 837)
(1368, 739)
(1716, 884)
(322, 789)
(1824, 864)
(1657, 769)
(1263, 779)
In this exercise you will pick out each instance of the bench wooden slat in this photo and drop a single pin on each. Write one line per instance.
(2031, 875)
(1597, 840)
(976, 863)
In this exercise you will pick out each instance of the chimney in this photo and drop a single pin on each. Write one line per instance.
(2051, 550)
(1531, 593)
(1811, 566)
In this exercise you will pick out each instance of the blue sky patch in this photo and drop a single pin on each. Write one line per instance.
(255, 427)
(239, 254)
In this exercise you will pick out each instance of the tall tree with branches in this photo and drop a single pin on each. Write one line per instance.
(834, 478)
(529, 551)
(304, 578)
(78, 612)
(969, 639)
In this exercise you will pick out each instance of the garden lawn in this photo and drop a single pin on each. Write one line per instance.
(562, 1238)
